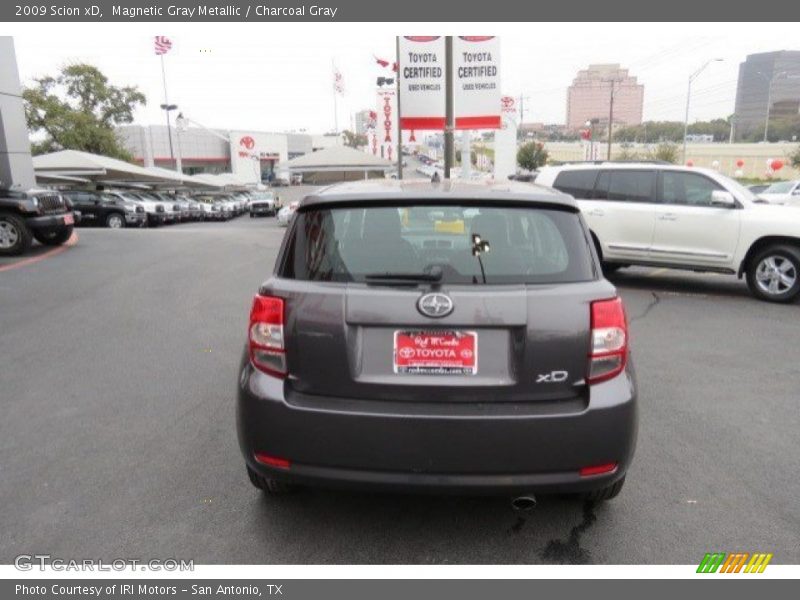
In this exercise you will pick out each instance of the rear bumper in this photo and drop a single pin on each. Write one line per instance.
(429, 447)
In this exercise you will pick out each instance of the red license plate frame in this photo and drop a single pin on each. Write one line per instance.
(435, 352)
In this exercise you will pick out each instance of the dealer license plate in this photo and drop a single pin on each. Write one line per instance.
(436, 352)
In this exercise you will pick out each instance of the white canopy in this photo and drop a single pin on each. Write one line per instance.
(338, 158)
(94, 167)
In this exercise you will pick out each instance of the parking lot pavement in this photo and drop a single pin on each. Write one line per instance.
(119, 361)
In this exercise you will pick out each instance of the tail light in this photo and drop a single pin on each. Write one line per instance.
(609, 351)
(593, 470)
(265, 338)
(272, 461)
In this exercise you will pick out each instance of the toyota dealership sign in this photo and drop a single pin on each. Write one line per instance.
(421, 75)
(476, 82)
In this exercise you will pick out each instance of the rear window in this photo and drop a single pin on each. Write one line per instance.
(522, 244)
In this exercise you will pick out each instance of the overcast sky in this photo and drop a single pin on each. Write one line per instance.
(267, 77)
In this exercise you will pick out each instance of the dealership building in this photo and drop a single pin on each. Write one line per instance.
(253, 156)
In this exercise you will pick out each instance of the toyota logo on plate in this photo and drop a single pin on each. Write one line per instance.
(435, 305)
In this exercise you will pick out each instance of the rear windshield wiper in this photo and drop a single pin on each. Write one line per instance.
(434, 274)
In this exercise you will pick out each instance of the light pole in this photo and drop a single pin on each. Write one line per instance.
(692, 77)
(167, 108)
(611, 113)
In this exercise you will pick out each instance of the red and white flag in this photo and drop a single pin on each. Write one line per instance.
(162, 45)
(338, 82)
(385, 63)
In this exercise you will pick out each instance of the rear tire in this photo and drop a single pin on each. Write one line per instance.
(54, 237)
(270, 486)
(15, 237)
(606, 493)
(774, 274)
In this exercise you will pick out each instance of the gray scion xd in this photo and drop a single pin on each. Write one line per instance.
(446, 337)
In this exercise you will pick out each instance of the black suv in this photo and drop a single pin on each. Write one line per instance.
(41, 214)
(107, 210)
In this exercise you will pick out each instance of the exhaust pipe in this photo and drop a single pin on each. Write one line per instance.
(524, 503)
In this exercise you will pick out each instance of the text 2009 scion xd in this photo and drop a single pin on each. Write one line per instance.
(438, 336)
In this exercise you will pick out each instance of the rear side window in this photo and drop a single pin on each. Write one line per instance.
(354, 244)
(625, 186)
(578, 183)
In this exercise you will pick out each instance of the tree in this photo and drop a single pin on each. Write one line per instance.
(672, 131)
(353, 139)
(78, 110)
(665, 151)
(627, 153)
(531, 156)
(794, 158)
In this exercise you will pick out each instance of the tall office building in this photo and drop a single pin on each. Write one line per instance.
(769, 81)
(589, 96)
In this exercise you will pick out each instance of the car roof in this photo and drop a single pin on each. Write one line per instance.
(605, 165)
(376, 190)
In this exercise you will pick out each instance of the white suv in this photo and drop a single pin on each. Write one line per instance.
(684, 218)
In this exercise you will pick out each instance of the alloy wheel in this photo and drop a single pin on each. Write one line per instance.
(9, 236)
(776, 274)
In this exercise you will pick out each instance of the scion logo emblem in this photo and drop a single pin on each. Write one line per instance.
(435, 305)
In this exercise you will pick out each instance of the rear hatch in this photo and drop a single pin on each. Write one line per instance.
(457, 302)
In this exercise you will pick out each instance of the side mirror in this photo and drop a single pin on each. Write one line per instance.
(723, 199)
(796, 191)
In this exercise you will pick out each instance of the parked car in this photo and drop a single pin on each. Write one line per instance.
(179, 204)
(171, 211)
(282, 178)
(684, 218)
(782, 192)
(263, 203)
(757, 189)
(286, 213)
(106, 210)
(212, 208)
(154, 210)
(41, 214)
(386, 351)
(195, 210)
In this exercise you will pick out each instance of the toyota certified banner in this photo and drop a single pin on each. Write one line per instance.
(422, 81)
(476, 81)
